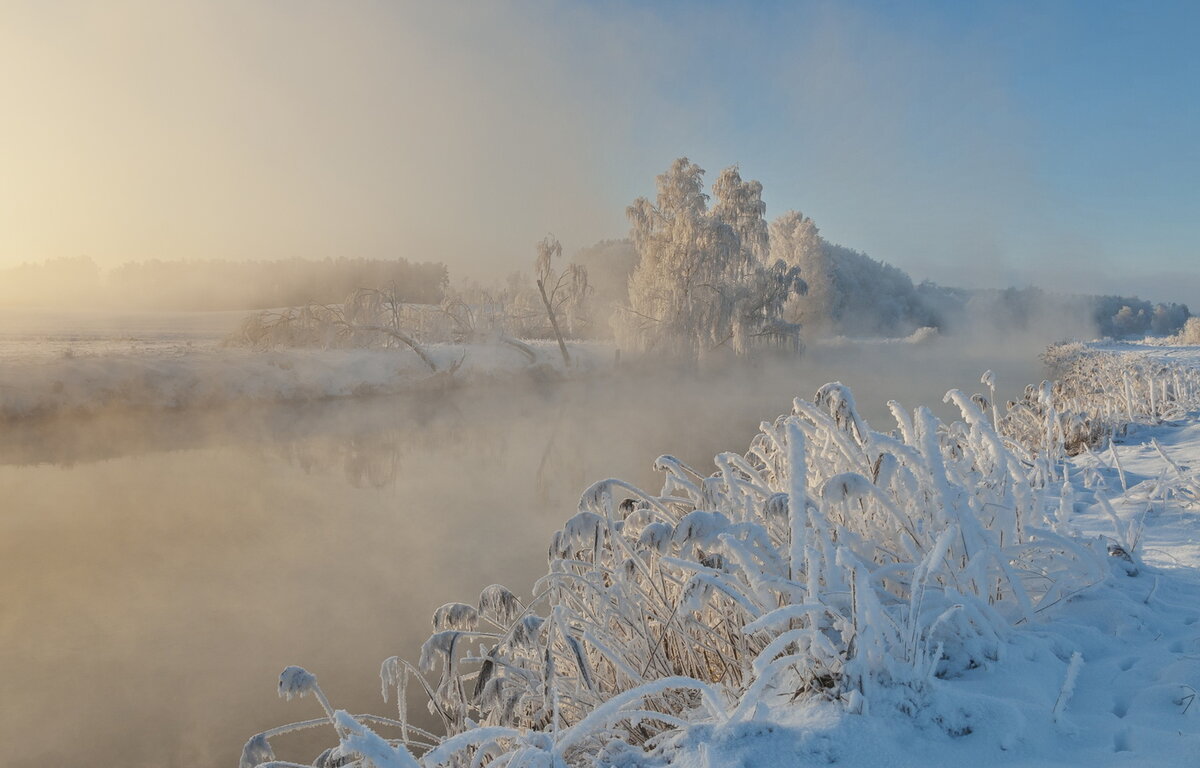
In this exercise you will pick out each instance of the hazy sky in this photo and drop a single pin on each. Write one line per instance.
(974, 143)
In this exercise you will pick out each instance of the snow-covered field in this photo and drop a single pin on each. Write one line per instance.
(28, 336)
(949, 596)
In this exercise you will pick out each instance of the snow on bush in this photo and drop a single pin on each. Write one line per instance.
(1189, 334)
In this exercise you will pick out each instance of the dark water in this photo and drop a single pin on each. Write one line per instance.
(158, 571)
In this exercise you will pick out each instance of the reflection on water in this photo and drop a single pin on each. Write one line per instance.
(156, 572)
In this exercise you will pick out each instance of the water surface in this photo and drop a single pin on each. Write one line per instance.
(157, 571)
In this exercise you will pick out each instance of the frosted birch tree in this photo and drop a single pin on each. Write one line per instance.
(702, 279)
(562, 292)
(796, 241)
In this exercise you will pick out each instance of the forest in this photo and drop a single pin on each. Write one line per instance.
(213, 284)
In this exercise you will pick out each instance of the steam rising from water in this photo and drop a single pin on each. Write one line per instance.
(155, 582)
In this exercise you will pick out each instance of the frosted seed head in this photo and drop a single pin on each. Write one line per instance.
(598, 497)
(440, 645)
(776, 507)
(627, 507)
(498, 605)
(257, 751)
(656, 537)
(584, 529)
(700, 527)
(391, 674)
(296, 681)
(637, 521)
(560, 547)
(526, 631)
(455, 616)
(846, 486)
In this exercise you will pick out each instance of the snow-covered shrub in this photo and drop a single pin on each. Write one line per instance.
(830, 560)
(1189, 335)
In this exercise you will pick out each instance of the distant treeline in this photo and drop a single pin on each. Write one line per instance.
(215, 284)
(1021, 309)
(699, 271)
(851, 294)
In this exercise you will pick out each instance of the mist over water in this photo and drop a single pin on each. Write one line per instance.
(159, 570)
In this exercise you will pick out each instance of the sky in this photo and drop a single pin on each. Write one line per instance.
(978, 144)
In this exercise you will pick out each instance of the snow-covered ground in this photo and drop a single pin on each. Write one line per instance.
(1134, 699)
(28, 336)
(1150, 349)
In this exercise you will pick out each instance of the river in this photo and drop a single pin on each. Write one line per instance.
(158, 570)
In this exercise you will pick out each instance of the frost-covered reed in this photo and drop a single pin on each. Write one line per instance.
(829, 560)
(1096, 395)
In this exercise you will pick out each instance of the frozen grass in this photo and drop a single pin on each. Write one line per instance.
(1096, 395)
(829, 563)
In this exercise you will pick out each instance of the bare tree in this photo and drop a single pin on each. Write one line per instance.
(568, 288)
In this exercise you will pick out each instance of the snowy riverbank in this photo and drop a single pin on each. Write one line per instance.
(939, 594)
(147, 362)
(180, 376)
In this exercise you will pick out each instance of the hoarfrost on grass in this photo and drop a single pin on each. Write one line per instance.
(829, 563)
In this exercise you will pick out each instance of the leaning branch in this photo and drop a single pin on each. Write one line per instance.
(562, 346)
(400, 336)
(520, 346)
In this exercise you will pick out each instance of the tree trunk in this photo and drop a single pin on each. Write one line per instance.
(562, 346)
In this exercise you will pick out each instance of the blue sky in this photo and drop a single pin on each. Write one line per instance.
(971, 142)
(1046, 143)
